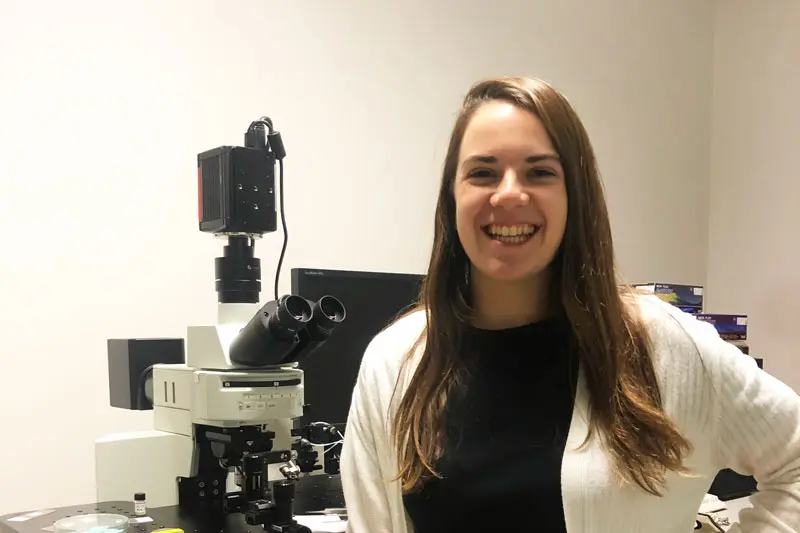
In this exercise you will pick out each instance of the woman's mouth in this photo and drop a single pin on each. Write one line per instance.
(511, 234)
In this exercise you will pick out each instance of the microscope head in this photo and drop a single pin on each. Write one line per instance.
(250, 343)
(248, 335)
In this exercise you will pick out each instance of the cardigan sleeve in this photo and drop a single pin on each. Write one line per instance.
(366, 498)
(757, 431)
(368, 465)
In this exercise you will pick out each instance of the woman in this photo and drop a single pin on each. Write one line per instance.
(529, 390)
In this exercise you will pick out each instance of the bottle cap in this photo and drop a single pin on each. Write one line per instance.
(139, 496)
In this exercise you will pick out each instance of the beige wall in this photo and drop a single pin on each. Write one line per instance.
(754, 215)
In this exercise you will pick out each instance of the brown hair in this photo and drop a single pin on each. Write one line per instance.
(625, 402)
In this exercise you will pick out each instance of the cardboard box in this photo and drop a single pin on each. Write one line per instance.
(688, 298)
(729, 327)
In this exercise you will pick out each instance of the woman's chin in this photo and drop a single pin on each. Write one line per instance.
(510, 272)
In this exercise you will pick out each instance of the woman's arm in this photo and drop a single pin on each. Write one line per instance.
(362, 478)
(757, 432)
(368, 465)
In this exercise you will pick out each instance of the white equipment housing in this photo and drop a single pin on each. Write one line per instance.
(207, 390)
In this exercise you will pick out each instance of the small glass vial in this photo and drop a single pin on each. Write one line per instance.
(139, 504)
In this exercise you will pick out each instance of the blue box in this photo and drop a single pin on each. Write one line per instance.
(729, 327)
(688, 298)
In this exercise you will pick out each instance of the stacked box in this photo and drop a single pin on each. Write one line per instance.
(732, 328)
(729, 327)
(687, 298)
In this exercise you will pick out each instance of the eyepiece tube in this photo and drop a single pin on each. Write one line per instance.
(328, 313)
(272, 333)
(291, 315)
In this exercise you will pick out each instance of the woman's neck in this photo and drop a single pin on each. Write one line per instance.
(502, 304)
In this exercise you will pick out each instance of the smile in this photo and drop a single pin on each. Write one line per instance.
(511, 234)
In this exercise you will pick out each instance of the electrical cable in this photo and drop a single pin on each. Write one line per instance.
(275, 144)
(327, 446)
(283, 226)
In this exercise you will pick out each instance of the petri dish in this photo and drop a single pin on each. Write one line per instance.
(92, 523)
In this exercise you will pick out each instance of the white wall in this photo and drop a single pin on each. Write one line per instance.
(754, 245)
(104, 106)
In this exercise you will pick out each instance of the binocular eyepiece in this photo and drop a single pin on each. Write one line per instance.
(286, 331)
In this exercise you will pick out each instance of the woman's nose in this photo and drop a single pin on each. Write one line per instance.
(510, 192)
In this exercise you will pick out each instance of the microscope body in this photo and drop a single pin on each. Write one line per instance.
(207, 391)
(223, 440)
(225, 399)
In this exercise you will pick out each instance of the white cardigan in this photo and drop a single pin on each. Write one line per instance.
(735, 415)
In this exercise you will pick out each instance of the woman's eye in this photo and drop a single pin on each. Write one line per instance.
(480, 173)
(541, 173)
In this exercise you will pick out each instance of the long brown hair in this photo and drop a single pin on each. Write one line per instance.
(625, 402)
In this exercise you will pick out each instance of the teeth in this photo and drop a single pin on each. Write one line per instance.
(511, 231)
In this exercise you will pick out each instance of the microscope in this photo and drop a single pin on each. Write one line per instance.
(225, 399)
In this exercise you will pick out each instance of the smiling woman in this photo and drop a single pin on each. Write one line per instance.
(520, 155)
(528, 379)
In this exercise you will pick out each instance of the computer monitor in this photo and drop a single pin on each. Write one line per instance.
(372, 301)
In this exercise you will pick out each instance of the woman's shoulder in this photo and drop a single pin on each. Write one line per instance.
(667, 325)
(684, 347)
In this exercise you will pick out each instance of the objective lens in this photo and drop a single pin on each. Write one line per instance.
(253, 477)
(283, 493)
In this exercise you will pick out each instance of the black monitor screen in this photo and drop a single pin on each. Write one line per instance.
(372, 301)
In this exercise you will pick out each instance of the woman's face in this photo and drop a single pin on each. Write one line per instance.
(510, 195)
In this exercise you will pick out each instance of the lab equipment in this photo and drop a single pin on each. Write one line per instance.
(139, 504)
(225, 398)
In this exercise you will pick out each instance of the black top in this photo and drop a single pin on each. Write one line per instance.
(506, 434)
